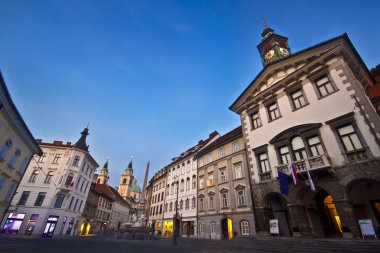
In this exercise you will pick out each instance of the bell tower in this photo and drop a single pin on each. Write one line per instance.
(273, 47)
(103, 175)
(127, 181)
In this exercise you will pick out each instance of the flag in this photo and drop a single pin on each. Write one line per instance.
(283, 179)
(293, 170)
(307, 165)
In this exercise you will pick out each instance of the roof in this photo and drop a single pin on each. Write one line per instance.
(105, 190)
(119, 198)
(374, 91)
(343, 36)
(136, 188)
(228, 137)
(12, 107)
(191, 151)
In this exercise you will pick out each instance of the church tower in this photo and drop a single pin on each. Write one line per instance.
(273, 47)
(103, 175)
(127, 181)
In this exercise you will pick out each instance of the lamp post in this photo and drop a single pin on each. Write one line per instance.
(175, 216)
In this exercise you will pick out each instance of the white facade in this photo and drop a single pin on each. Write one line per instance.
(17, 147)
(157, 201)
(52, 194)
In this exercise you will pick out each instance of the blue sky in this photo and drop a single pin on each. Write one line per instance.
(152, 78)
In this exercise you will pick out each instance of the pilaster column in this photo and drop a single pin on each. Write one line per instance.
(298, 218)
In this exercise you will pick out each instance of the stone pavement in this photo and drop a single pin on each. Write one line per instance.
(258, 244)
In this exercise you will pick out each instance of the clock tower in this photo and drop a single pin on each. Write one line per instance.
(273, 47)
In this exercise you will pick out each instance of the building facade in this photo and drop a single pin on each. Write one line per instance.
(308, 112)
(224, 197)
(182, 186)
(17, 147)
(157, 201)
(52, 194)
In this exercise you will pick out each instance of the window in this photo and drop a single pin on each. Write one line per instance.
(71, 203)
(187, 184)
(237, 170)
(211, 202)
(15, 157)
(349, 138)
(166, 207)
(210, 181)
(223, 176)
(241, 198)
(188, 166)
(2, 182)
(40, 199)
(273, 111)
(182, 185)
(235, 146)
(56, 158)
(24, 197)
(59, 200)
(41, 158)
(298, 99)
(80, 205)
(167, 190)
(201, 182)
(255, 120)
(23, 165)
(315, 146)
(264, 164)
(69, 179)
(212, 227)
(224, 200)
(193, 202)
(221, 152)
(324, 86)
(209, 158)
(172, 189)
(200, 162)
(187, 204)
(201, 204)
(285, 155)
(76, 160)
(5, 149)
(201, 227)
(33, 177)
(194, 183)
(244, 226)
(298, 148)
(49, 177)
(171, 207)
(10, 191)
(76, 203)
(181, 204)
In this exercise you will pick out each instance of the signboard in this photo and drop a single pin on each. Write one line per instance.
(366, 227)
(273, 227)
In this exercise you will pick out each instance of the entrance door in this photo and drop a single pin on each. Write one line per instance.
(227, 230)
(328, 214)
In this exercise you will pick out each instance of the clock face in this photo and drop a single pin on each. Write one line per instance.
(284, 51)
(269, 55)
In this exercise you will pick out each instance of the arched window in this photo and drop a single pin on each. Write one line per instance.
(194, 183)
(187, 184)
(181, 204)
(166, 207)
(33, 176)
(244, 227)
(171, 207)
(49, 177)
(187, 204)
(124, 181)
(298, 148)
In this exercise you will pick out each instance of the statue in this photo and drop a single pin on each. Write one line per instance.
(141, 222)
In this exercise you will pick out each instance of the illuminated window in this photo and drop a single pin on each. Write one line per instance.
(210, 181)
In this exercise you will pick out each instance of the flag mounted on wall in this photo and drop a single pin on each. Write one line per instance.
(283, 179)
(293, 170)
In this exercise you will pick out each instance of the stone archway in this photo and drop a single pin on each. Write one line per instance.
(278, 205)
(364, 195)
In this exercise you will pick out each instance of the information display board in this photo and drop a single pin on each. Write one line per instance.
(367, 229)
(273, 227)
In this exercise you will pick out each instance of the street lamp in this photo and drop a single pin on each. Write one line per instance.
(175, 216)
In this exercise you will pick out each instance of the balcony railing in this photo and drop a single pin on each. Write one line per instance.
(265, 176)
(316, 163)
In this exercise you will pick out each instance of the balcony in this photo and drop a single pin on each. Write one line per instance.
(64, 188)
(316, 163)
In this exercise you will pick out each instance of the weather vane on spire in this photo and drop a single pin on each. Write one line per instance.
(265, 23)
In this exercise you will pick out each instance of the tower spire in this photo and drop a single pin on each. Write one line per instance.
(81, 143)
(145, 182)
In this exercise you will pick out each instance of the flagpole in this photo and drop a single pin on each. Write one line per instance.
(307, 165)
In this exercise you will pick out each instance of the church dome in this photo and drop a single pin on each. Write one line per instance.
(136, 188)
